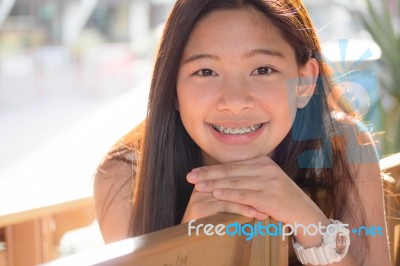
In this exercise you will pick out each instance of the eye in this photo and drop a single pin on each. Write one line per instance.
(263, 71)
(205, 72)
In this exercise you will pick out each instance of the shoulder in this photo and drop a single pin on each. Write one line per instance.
(360, 145)
(115, 171)
(120, 163)
(120, 158)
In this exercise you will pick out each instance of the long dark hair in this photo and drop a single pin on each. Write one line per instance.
(167, 153)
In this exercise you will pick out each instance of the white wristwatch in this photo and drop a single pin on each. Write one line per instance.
(336, 242)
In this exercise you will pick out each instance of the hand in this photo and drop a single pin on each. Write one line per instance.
(261, 184)
(204, 204)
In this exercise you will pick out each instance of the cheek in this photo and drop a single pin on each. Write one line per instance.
(187, 101)
(197, 96)
(193, 106)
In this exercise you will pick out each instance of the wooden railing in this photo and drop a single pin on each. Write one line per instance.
(391, 169)
(173, 246)
(31, 237)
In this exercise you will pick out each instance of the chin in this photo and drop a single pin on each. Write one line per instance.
(236, 156)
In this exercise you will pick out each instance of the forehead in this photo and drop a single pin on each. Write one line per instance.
(242, 16)
(238, 28)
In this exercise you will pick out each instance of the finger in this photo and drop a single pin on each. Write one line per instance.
(242, 196)
(203, 206)
(232, 207)
(250, 161)
(227, 170)
(200, 205)
(241, 182)
(261, 216)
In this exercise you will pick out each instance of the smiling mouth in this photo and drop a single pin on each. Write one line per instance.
(237, 131)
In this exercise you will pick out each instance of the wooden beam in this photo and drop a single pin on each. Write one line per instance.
(24, 242)
(173, 246)
(7, 219)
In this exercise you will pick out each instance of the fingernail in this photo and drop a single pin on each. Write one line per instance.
(217, 192)
(192, 176)
(201, 184)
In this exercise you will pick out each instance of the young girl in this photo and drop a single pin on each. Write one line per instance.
(243, 118)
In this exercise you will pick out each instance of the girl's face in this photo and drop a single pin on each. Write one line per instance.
(237, 86)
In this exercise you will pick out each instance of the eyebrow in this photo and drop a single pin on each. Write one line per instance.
(270, 52)
(252, 53)
(200, 56)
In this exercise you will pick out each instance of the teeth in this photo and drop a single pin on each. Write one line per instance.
(236, 131)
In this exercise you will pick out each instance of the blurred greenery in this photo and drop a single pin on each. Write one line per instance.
(382, 20)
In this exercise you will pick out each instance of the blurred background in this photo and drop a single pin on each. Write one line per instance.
(74, 77)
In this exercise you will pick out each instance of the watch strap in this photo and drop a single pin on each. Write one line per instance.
(315, 255)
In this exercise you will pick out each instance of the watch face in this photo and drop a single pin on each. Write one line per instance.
(340, 243)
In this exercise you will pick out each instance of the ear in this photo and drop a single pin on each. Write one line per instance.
(308, 80)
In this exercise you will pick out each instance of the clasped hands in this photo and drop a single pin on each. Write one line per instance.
(256, 188)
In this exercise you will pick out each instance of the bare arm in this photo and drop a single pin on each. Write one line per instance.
(112, 197)
(369, 184)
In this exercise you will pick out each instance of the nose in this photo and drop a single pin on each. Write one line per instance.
(235, 97)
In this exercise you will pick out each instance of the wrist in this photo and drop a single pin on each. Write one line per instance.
(312, 234)
(335, 245)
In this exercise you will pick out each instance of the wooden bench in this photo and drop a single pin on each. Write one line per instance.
(173, 246)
